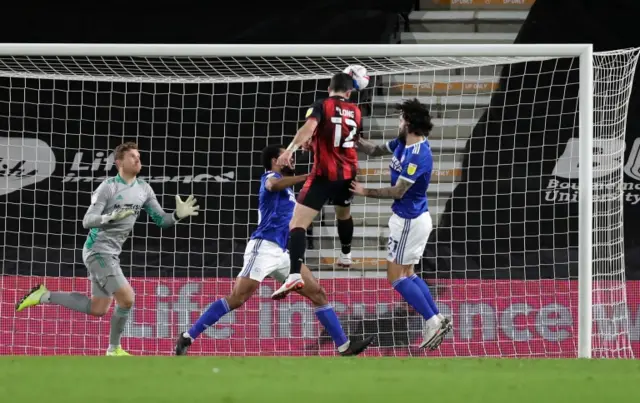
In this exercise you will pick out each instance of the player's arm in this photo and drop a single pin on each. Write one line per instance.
(374, 150)
(166, 220)
(93, 217)
(416, 166)
(392, 192)
(274, 184)
(304, 134)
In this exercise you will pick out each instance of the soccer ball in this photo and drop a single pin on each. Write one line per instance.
(359, 75)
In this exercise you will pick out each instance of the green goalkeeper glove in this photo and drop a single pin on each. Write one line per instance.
(186, 208)
(117, 215)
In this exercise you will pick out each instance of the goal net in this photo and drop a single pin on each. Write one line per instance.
(503, 260)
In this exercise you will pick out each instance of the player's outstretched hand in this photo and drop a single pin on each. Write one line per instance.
(285, 159)
(357, 188)
(306, 146)
(117, 215)
(187, 207)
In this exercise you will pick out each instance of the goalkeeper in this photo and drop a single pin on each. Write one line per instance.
(114, 209)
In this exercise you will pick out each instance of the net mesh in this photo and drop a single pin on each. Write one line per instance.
(502, 259)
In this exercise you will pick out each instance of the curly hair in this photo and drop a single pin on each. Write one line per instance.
(269, 153)
(417, 117)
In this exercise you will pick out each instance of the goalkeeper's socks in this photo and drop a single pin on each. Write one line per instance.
(426, 292)
(212, 315)
(345, 233)
(297, 247)
(414, 297)
(328, 318)
(118, 322)
(72, 300)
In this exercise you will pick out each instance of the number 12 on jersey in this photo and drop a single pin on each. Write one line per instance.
(337, 133)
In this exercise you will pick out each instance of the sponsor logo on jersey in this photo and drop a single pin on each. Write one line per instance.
(395, 164)
(96, 167)
(23, 162)
(129, 206)
(411, 169)
(292, 196)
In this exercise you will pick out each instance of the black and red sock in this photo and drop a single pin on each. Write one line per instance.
(297, 248)
(345, 233)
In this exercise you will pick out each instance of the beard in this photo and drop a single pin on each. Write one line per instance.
(402, 135)
(286, 171)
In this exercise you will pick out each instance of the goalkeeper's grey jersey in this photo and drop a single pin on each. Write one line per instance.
(114, 194)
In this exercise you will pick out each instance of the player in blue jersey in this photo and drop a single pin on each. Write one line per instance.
(266, 254)
(410, 224)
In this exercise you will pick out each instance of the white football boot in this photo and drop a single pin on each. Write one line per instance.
(432, 336)
(293, 282)
(344, 261)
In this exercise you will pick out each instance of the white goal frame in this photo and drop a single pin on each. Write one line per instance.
(583, 51)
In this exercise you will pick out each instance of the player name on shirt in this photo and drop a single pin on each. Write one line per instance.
(347, 113)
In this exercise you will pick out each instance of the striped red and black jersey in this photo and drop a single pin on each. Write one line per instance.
(335, 138)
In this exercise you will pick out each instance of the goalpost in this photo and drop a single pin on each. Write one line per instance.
(547, 196)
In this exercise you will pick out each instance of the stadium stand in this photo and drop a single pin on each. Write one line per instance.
(437, 21)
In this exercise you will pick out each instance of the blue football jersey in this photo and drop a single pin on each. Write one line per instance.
(275, 210)
(413, 163)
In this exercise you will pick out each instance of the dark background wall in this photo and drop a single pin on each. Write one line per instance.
(535, 238)
(195, 129)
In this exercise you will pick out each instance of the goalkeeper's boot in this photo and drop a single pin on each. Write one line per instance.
(32, 298)
(433, 336)
(183, 343)
(117, 352)
(357, 347)
(293, 282)
(344, 261)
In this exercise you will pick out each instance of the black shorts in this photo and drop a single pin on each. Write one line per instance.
(318, 191)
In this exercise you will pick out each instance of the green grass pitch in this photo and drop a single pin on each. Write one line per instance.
(311, 380)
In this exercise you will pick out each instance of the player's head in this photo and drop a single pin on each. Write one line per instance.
(127, 159)
(270, 156)
(341, 84)
(414, 119)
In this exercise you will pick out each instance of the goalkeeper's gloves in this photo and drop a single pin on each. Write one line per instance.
(117, 215)
(185, 208)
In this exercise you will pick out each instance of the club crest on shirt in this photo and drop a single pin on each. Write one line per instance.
(411, 169)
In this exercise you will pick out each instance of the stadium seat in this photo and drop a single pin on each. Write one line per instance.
(456, 98)
(457, 37)
(387, 127)
(475, 4)
(428, 84)
(500, 21)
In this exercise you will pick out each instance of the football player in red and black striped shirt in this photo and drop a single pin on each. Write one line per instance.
(332, 128)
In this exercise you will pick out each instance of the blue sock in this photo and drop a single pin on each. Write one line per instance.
(413, 295)
(327, 316)
(213, 314)
(422, 285)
